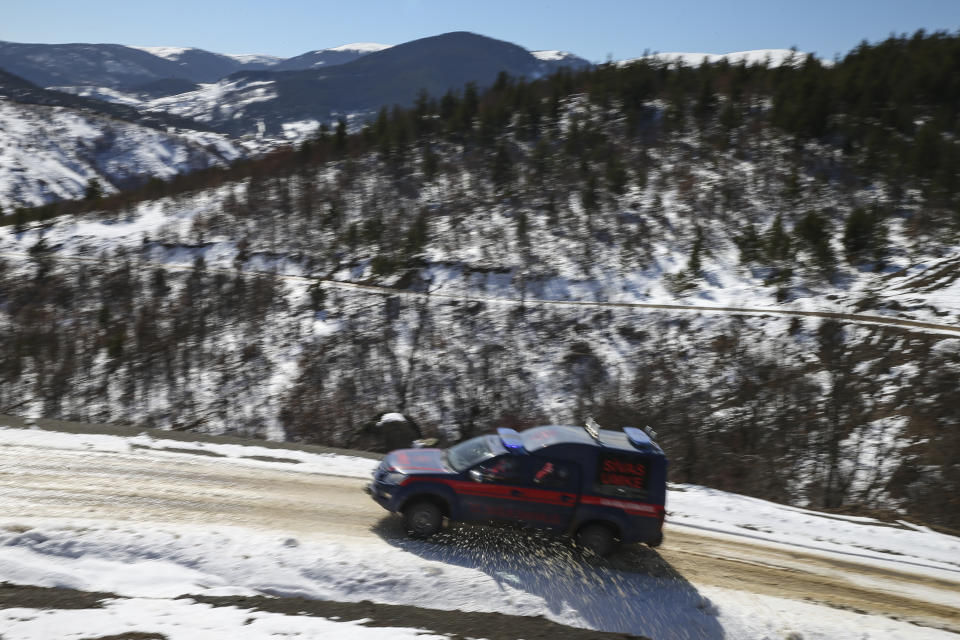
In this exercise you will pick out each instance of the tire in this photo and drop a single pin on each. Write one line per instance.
(422, 519)
(597, 539)
(656, 542)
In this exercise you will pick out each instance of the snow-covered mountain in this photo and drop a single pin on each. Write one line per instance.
(168, 53)
(122, 67)
(104, 65)
(199, 65)
(157, 86)
(51, 153)
(250, 94)
(364, 78)
(552, 60)
(330, 57)
(184, 54)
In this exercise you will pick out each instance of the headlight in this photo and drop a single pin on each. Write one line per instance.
(393, 478)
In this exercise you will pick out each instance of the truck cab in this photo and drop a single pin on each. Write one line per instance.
(602, 487)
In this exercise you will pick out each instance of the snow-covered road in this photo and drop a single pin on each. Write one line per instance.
(153, 519)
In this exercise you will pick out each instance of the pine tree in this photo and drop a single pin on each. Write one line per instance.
(695, 265)
(706, 102)
(813, 230)
(93, 191)
(19, 220)
(340, 136)
(615, 173)
(864, 236)
(417, 236)
(430, 162)
(588, 197)
(749, 243)
(522, 227)
(730, 117)
(323, 133)
(778, 244)
(502, 169)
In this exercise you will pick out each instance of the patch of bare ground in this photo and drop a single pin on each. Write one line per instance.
(459, 625)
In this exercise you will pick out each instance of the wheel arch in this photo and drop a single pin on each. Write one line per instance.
(441, 502)
(609, 523)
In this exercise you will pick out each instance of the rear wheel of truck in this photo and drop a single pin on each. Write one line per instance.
(597, 539)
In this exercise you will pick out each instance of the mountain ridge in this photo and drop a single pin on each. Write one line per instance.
(120, 66)
(395, 75)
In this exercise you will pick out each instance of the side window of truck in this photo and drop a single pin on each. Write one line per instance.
(551, 474)
(504, 469)
(622, 475)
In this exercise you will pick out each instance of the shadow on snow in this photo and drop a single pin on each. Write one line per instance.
(634, 591)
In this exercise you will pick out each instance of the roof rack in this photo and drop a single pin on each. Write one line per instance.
(591, 427)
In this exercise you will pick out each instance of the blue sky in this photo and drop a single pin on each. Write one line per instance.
(595, 30)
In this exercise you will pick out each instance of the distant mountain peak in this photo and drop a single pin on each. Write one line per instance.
(254, 58)
(363, 47)
(552, 55)
(167, 53)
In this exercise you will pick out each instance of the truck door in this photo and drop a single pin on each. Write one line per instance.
(524, 489)
(554, 488)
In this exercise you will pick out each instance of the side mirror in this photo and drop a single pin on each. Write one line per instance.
(477, 476)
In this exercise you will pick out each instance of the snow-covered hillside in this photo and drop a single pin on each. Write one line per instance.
(168, 53)
(166, 573)
(51, 153)
(225, 99)
(105, 94)
(785, 313)
(543, 349)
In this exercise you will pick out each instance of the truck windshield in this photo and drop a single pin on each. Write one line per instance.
(469, 452)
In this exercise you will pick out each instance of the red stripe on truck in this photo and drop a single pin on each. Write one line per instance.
(629, 506)
(507, 492)
(543, 496)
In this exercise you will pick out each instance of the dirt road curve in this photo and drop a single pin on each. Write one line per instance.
(856, 318)
(195, 489)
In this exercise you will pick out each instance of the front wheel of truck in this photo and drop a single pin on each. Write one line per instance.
(422, 519)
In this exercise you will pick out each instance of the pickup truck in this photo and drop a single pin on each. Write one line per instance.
(600, 486)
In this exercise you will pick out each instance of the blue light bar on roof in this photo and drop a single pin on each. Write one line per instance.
(511, 440)
(638, 437)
